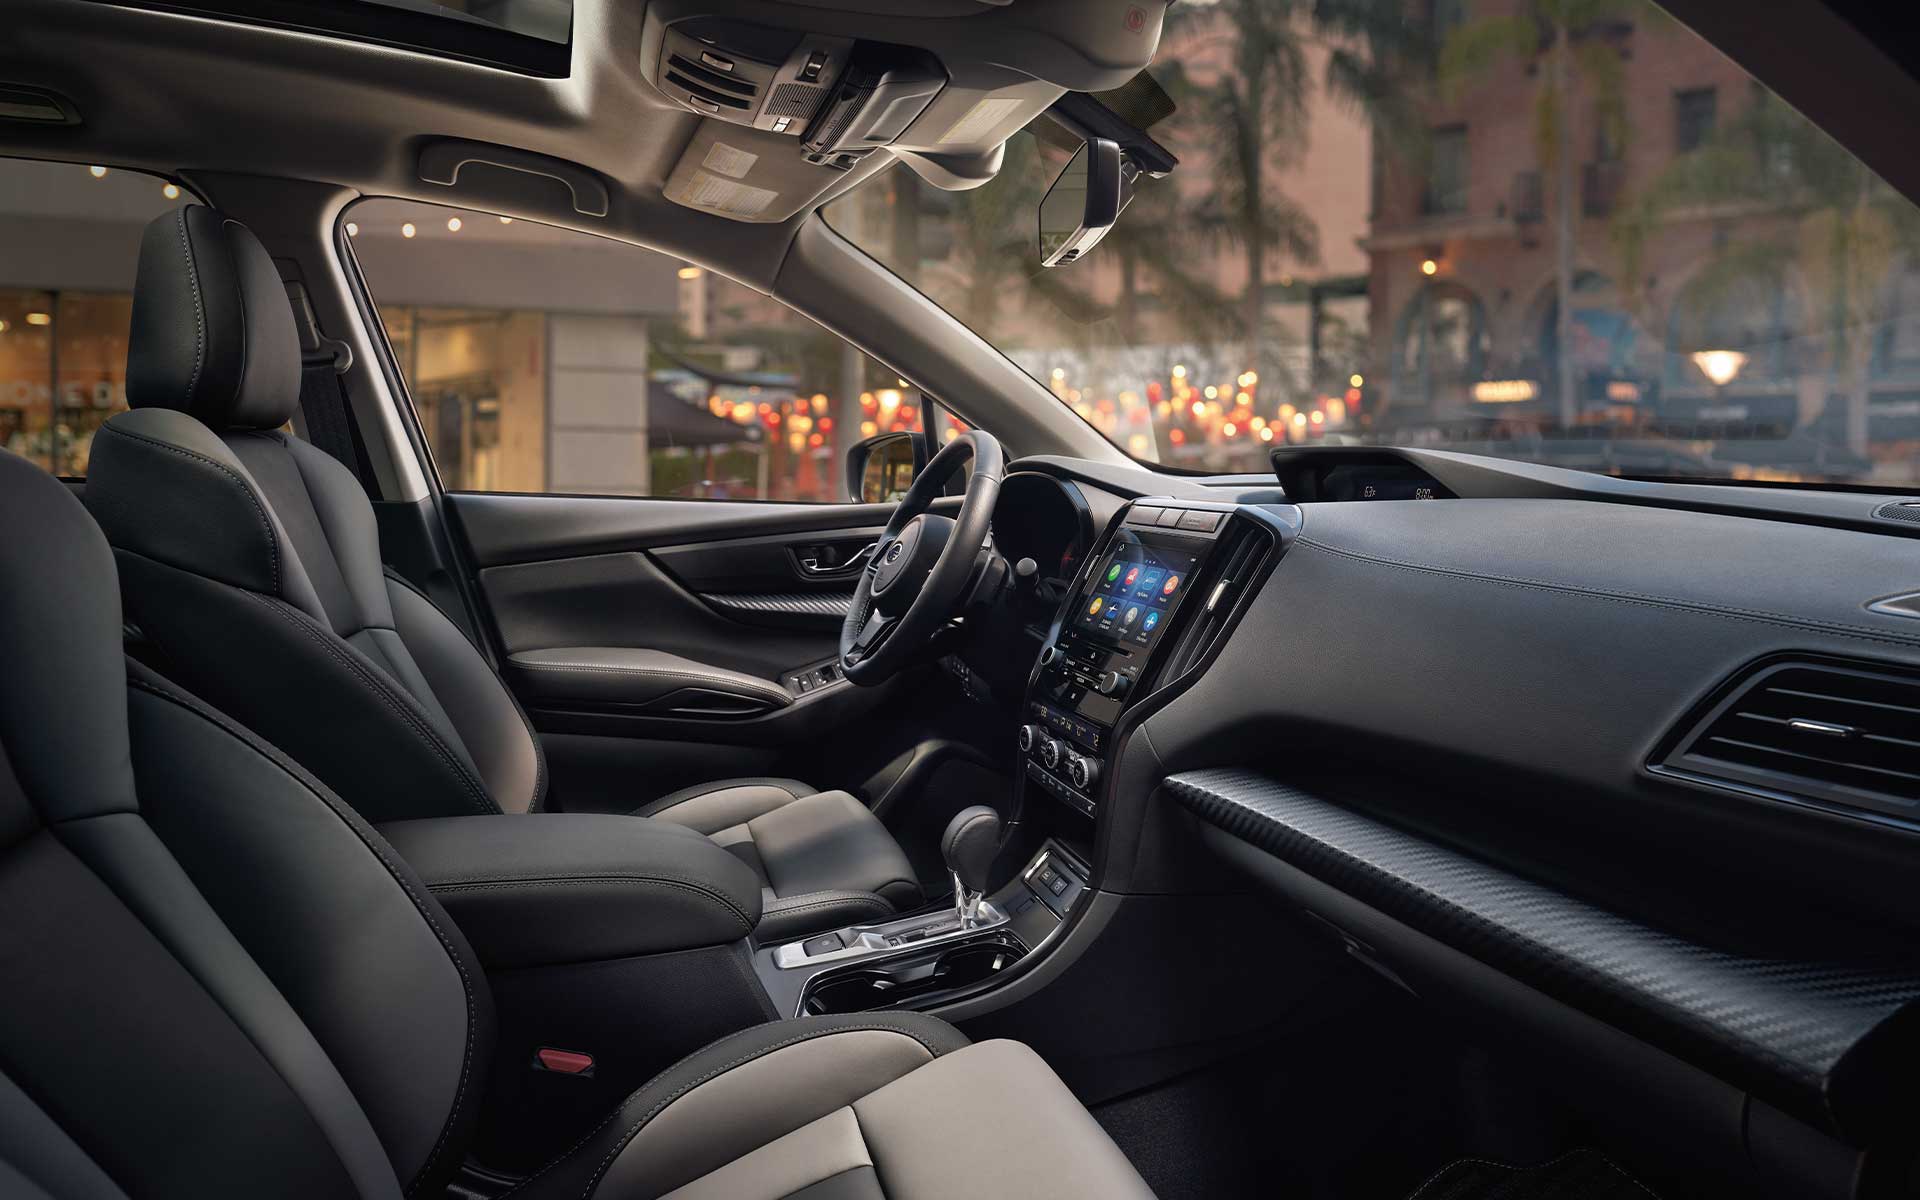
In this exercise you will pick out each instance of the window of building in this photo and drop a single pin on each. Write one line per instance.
(1693, 117)
(1447, 177)
(69, 242)
(545, 360)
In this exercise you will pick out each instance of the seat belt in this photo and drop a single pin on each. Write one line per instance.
(323, 405)
(323, 396)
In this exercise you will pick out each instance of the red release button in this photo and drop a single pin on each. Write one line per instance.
(566, 1062)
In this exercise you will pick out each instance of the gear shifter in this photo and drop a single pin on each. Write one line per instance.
(971, 841)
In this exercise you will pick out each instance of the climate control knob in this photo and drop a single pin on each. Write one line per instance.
(1051, 753)
(1048, 654)
(1113, 683)
(1082, 772)
(1030, 736)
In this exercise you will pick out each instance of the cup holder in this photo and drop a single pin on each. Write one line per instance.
(902, 981)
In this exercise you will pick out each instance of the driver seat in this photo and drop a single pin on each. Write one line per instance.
(250, 569)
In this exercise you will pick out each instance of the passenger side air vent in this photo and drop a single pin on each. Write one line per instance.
(1238, 561)
(1834, 734)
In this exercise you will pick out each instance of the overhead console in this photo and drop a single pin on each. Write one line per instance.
(843, 98)
(794, 97)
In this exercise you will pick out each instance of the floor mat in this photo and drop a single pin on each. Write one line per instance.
(1578, 1175)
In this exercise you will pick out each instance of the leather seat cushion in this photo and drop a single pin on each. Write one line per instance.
(825, 859)
(848, 1108)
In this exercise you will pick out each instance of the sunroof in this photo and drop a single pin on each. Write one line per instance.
(530, 36)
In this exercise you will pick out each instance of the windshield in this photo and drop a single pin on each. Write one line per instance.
(1456, 224)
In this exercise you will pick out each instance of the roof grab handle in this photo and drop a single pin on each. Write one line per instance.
(441, 161)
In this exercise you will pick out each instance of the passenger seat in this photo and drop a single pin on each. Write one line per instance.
(251, 561)
(221, 982)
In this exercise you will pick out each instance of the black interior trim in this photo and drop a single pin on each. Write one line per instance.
(1821, 1040)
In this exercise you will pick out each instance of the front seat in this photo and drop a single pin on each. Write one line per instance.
(251, 567)
(221, 982)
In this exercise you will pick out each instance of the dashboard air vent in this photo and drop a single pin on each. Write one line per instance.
(1836, 735)
(1238, 561)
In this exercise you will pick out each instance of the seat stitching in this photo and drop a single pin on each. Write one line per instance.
(266, 522)
(485, 885)
(199, 318)
(482, 802)
(782, 908)
(654, 808)
(872, 1025)
(377, 845)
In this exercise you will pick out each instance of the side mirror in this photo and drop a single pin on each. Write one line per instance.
(881, 469)
(1083, 203)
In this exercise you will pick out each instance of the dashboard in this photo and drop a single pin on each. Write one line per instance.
(1517, 706)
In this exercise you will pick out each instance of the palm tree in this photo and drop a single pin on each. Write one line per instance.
(1253, 117)
(1564, 33)
(1843, 229)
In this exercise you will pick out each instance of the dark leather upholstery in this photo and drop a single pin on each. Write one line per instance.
(251, 567)
(579, 887)
(220, 982)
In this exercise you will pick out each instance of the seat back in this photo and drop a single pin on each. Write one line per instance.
(218, 980)
(250, 560)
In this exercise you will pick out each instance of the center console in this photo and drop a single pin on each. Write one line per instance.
(1152, 600)
(1108, 643)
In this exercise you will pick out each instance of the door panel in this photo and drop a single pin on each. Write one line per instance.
(758, 589)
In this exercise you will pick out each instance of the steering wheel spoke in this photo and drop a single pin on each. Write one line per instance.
(876, 630)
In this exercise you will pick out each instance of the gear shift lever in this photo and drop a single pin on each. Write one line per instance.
(971, 841)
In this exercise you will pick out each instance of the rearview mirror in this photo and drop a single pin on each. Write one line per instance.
(1083, 203)
(881, 469)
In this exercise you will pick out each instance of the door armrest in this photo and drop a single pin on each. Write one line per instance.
(647, 681)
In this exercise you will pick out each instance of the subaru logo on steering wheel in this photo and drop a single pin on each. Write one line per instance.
(894, 551)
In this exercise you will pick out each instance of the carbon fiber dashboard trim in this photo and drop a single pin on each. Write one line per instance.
(1827, 1041)
(797, 604)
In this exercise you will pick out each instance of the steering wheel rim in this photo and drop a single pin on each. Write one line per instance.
(922, 562)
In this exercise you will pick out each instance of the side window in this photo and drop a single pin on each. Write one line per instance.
(69, 243)
(545, 360)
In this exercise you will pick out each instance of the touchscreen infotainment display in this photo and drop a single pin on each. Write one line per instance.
(1134, 591)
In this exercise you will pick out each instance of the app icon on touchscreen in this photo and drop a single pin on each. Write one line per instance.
(1113, 572)
(1099, 602)
(1170, 586)
(1133, 577)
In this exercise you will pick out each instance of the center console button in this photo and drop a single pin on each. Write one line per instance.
(826, 943)
(1203, 522)
(1142, 515)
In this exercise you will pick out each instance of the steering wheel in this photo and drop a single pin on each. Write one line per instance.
(920, 568)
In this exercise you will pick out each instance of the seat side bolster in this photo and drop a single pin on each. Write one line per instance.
(736, 1095)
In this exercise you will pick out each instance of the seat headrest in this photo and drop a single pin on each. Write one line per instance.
(213, 333)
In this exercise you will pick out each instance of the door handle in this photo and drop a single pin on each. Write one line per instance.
(813, 566)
